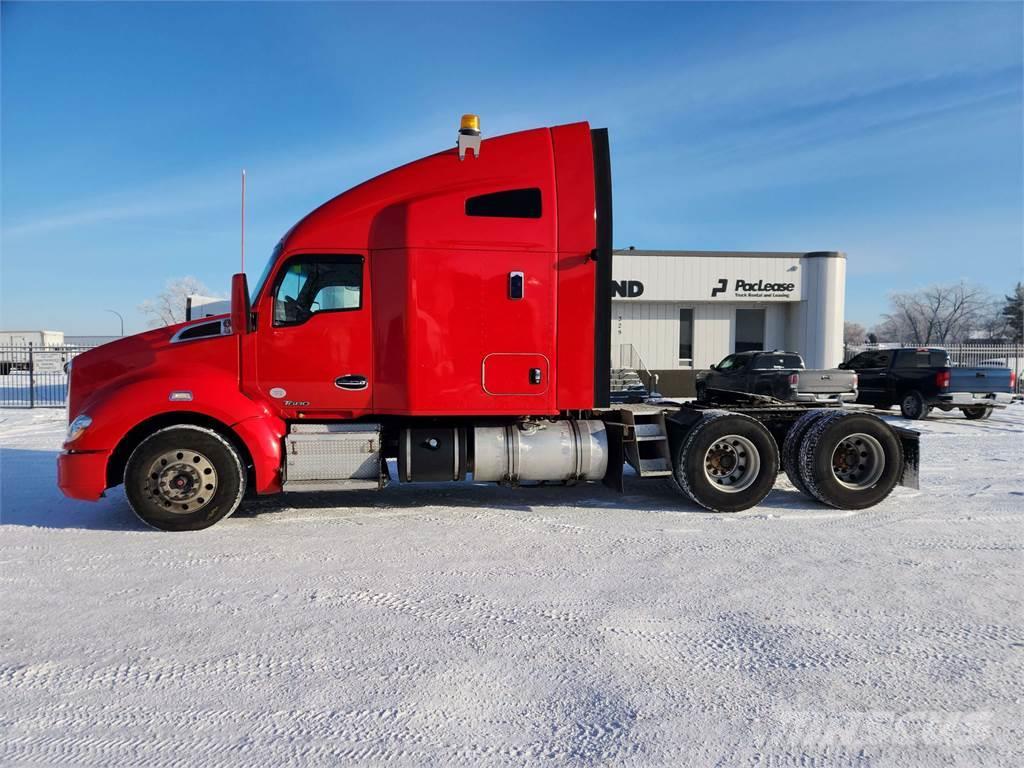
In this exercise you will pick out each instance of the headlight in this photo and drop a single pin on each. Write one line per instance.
(77, 427)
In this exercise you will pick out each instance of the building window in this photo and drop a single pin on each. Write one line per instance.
(749, 330)
(511, 204)
(685, 335)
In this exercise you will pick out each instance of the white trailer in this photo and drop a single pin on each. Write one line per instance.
(14, 348)
(197, 307)
(35, 338)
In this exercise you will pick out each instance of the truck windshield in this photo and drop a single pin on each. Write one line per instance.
(732, 362)
(266, 272)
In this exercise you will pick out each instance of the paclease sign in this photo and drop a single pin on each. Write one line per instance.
(747, 288)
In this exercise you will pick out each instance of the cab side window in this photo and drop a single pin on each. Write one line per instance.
(913, 358)
(871, 359)
(857, 361)
(308, 285)
(731, 363)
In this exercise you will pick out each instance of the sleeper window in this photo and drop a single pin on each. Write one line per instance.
(510, 204)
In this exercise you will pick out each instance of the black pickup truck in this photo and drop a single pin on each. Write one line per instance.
(919, 379)
(776, 374)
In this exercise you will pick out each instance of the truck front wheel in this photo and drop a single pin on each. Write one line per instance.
(850, 461)
(913, 406)
(727, 462)
(184, 478)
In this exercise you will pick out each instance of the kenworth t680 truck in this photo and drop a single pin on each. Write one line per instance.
(454, 315)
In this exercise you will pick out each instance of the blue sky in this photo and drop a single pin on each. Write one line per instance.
(891, 131)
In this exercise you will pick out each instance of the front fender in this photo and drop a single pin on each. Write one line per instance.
(118, 409)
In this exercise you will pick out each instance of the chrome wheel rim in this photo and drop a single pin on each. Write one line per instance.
(181, 481)
(858, 461)
(732, 463)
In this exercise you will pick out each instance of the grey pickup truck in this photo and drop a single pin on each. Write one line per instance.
(776, 374)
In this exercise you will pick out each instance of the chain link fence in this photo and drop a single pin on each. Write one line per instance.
(34, 377)
(970, 355)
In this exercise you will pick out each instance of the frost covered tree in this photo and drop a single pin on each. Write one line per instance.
(168, 307)
(939, 314)
(854, 333)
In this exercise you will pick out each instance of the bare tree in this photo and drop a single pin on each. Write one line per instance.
(854, 333)
(168, 307)
(940, 314)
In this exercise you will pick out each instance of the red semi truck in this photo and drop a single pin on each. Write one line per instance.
(453, 314)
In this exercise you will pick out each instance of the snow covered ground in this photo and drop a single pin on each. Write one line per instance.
(479, 626)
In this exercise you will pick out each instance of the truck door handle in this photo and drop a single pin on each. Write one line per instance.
(516, 285)
(352, 381)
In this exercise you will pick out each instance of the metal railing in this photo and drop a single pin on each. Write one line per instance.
(33, 376)
(629, 358)
(969, 355)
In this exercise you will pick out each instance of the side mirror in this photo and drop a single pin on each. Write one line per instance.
(713, 367)
(841, 366)
(239, 304)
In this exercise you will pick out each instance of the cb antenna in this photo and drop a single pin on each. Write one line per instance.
(243, 219)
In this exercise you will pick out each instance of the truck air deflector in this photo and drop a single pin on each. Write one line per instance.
(603, 273)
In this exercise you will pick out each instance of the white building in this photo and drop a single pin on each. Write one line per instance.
(681, 311)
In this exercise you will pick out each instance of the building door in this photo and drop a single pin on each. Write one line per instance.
(749, 330)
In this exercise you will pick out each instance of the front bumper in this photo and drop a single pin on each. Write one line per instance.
(82, 475)
(991, 399)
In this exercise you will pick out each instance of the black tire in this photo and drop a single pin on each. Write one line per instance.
(791, 446)
(977, 412)
(199, 461)
(821, 473)
(689, 461)
(913, 406)
(702, 392)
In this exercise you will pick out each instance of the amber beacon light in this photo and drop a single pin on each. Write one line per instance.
(469, 136)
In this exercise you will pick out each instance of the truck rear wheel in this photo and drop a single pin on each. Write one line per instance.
(850, 461)
(727, 462)
(791, 446)
(977, 412)
(184, 478)
(913, 406)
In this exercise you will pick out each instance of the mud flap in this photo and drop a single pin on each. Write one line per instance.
(616, 455)
(910, 440)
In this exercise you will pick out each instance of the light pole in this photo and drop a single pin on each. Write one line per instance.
(114, 311)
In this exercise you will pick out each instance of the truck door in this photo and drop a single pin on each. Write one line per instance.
(873, 383)
(314, 351)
